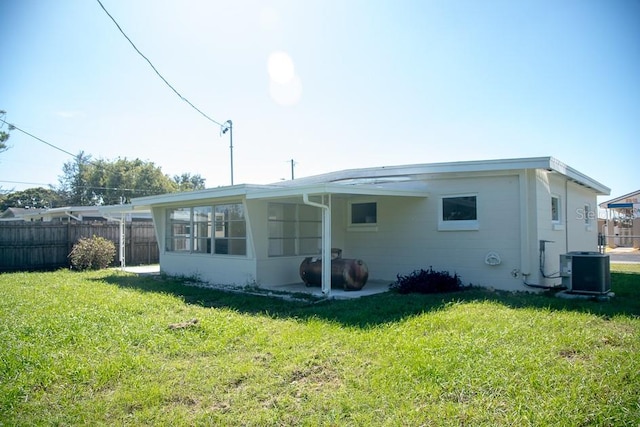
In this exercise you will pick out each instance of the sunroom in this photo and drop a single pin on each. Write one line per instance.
(249, 234)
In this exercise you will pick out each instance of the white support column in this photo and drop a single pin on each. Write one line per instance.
(123, 240)
(326, 240)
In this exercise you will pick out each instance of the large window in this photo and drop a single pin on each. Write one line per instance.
(178, 230)
(231, 230)
(458, 213)
(220, 229)
(294, 230)
(202, 229)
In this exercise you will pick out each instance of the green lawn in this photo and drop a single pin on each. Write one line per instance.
(96, 349)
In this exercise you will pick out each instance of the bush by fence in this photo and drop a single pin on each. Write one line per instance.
(46, 245)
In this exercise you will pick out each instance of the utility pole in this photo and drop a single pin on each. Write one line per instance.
(292, 164)
(228, 126)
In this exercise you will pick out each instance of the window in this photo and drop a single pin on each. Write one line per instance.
(458, 213)
(459, 208)
(587, 214)
(555, 209)
(220, 229)
(364, 213)
(231, 230)
(294, 229)
(202, 229)
(178, 230)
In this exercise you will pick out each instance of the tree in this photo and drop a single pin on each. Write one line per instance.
(188, 182)
(31, 198)
(4, 135)
(89, 182)
(73, 185)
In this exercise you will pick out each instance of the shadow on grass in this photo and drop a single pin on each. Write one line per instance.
(382, 308)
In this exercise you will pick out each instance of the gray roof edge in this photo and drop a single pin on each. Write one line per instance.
(579, 177)
(333, 178)
(547, 162)
(620, 198)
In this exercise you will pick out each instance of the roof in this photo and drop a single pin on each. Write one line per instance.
(550, 164)
(404, 180)
(625, 201)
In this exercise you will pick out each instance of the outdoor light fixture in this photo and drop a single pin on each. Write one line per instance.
(228, 126)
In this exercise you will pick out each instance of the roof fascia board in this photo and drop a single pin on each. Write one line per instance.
(333, 189)
(210, 193)
(579, 177)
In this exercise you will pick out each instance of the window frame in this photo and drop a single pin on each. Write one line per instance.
(293, 231)
(558, 209)
(557, 223)
(215, 223)
(362, 226)
(458, 224)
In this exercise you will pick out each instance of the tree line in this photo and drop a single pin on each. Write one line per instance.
(88, 182)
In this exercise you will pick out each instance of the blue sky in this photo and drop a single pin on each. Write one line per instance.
(331, 84)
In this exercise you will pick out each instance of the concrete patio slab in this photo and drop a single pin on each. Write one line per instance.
(372, 287)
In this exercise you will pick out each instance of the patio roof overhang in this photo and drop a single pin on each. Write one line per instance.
(336, 189)
(256, 192)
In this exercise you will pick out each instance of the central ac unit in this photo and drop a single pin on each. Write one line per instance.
(585, 272)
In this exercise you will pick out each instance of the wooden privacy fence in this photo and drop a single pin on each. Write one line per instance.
(46, 245)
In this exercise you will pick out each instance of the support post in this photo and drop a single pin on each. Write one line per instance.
(123, 262)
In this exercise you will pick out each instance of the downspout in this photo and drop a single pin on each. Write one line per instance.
(566, 214)
(525, 250)
(326, 241)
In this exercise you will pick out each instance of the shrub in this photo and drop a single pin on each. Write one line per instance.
(427, 282)
(92, 253)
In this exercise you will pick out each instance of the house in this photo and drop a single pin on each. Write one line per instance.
(13, 214)
(622, 224)
(68, 213)
(497, 223)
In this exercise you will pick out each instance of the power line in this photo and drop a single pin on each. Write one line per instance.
(154, 68)
(14, 127)
(24, 182)
(35, 137)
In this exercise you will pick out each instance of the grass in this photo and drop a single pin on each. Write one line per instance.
(95, 349)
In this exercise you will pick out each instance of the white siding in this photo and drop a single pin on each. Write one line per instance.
(407, 236)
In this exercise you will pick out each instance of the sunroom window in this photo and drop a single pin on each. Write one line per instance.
(220, 229)
(294, 230)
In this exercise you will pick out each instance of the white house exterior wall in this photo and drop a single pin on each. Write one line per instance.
(407, 235)
(582, 236)
(549, 185)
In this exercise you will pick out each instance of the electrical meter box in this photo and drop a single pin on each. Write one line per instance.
(585, 272)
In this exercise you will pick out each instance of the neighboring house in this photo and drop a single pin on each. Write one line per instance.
(622, 224)
(492, 222)
(69, 213)
(13, 214)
